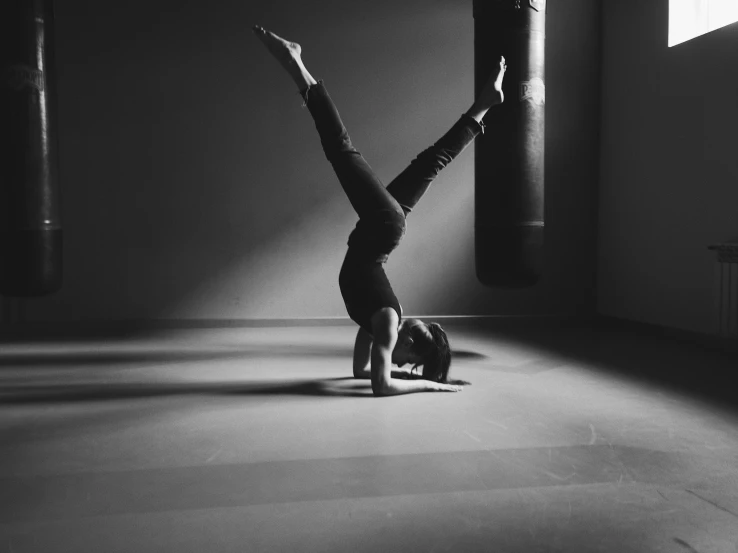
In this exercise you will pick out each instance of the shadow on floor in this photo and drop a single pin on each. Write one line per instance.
(643, 354)
(340, 387)
(680, 365)
(83, 358)
(45, 360)
(26, 391)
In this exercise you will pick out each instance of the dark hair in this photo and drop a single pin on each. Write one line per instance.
(431, 344)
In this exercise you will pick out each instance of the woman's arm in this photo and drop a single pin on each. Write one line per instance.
(362, 354)
(384, 325)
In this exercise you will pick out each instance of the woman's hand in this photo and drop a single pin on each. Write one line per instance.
(440, 387)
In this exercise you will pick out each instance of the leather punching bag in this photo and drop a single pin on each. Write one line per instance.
(509, 168)
(30, 223)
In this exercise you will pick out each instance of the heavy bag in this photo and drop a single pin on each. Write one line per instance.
(508, 170)
(30, 222)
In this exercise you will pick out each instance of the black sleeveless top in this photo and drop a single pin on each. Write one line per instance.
(363, 282)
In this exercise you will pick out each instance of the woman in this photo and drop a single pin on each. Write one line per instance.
(384, 337)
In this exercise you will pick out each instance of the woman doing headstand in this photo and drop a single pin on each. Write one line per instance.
(384, 337)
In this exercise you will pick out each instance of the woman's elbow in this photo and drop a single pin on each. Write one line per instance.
(380, 388)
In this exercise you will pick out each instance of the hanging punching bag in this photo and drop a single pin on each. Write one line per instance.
(508, 168)
(30, 225)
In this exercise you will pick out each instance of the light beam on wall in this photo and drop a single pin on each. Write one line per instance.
(689, 19)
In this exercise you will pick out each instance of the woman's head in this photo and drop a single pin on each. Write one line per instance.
(428, 346)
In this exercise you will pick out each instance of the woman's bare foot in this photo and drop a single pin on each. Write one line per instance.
(492, 91)
(491, 94)
(288, 54)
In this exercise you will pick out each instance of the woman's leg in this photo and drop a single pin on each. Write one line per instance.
(364, 189)
(413, 182)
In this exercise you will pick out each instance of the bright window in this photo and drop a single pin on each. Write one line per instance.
(691, 18)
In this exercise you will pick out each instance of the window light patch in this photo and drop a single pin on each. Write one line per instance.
(691, 18)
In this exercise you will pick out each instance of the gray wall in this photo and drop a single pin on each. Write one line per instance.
(669, 167)
(193, 181)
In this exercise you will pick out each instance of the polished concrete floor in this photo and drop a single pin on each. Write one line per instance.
(569, 439)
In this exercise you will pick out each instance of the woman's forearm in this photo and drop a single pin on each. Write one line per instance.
(396, 386)
(362, 354)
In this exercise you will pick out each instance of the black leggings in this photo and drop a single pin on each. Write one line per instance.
(365, 191)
